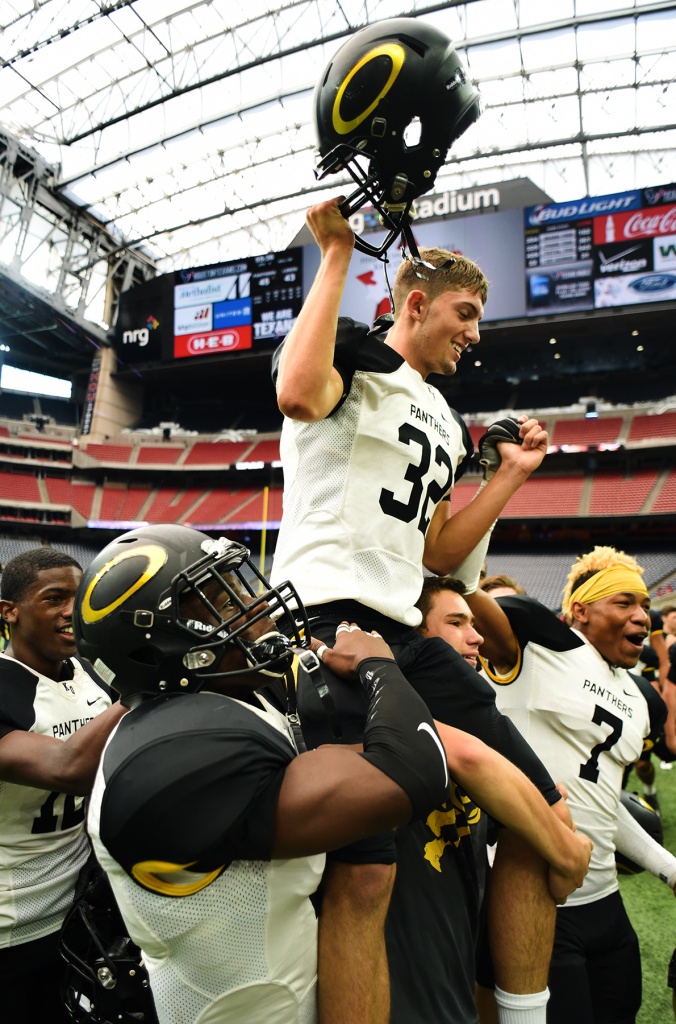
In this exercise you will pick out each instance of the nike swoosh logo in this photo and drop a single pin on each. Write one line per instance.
(628, 693)
(428, 728)
(90, 702)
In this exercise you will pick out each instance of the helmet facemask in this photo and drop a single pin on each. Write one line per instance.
(219, 599)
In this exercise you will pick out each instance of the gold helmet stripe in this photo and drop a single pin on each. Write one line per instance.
(397, 55)
(157, 557)
(146, 874)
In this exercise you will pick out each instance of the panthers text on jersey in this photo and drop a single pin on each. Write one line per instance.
(182, 821)
(43, 843)
(585, 719)
(361, 486)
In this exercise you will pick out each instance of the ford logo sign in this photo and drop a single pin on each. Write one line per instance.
(653, 283)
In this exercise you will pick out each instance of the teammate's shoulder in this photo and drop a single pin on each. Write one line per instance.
(18, 688)
(13, 671)
(82, 666)
(187, 720)
(204, 761)
(358, 348)
(533, 622)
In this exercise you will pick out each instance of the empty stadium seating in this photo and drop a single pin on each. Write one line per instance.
(579, 433)
(653, 428)
(617, 494)
(156, 454)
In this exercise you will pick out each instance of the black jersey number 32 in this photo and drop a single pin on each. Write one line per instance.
(419, 498)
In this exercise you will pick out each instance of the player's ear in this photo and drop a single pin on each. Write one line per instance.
(579, 612)
(417, 304)
(8, 611)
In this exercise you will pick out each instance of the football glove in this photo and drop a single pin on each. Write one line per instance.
(489, 453)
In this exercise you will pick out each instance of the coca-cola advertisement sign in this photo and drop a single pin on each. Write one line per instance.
(659, 220)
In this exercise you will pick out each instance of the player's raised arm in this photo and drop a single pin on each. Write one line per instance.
(308, 385)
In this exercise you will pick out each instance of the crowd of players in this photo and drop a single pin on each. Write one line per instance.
(300, 784)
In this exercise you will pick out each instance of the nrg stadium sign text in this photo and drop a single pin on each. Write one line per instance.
(440, 205)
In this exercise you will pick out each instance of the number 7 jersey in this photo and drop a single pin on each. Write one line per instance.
(361, 486)
(585, 720)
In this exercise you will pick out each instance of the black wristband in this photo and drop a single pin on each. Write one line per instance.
(400, 737)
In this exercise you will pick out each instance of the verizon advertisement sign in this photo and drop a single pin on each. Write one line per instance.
(593, 253)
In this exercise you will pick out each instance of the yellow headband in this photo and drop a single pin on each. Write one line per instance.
(616, 579)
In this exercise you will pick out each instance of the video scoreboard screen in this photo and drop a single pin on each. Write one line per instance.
(614, 250)
(246, 304)
(241, 305)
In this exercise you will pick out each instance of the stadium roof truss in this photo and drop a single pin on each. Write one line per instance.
(184, 128)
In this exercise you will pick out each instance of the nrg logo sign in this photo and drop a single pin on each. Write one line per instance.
(141, 336)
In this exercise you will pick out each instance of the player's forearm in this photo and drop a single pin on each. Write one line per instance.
(56, 765)
(400, 737)
(460, 534)
(633, 842)
(504, 792)
(306, 386)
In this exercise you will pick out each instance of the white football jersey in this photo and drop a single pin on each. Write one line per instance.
(241, 946)
(361, 486)
(43, 843)
(584, 719)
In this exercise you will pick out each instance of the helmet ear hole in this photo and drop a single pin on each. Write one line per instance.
(146, 656)
(412, 133)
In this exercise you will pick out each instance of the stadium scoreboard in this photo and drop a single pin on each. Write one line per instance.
(245, 304)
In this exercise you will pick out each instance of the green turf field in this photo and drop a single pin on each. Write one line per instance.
(652, 909)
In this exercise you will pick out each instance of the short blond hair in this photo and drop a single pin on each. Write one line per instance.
(588, 565)
(462, 274)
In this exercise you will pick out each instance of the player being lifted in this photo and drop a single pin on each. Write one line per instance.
(370, 451)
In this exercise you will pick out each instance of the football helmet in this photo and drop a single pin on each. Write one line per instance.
(105, 980)
(159, 607)
(379, 82)
(648, 819)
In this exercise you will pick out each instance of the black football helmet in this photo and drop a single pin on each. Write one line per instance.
(648, 819)
(105, 980)
(382, 79)
(157, 609)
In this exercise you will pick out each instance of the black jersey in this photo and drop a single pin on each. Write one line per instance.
(433, 917)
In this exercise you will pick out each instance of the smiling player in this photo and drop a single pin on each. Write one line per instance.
(52, 731)
(570, 692)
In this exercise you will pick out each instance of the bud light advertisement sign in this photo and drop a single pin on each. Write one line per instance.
(602, 251)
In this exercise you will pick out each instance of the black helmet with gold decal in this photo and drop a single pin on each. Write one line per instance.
(387, 81)
(159, 607)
